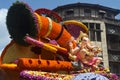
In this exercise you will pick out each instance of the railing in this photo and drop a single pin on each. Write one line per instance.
(114, 47)
(105, 19)
(112, 21)
(114, 58)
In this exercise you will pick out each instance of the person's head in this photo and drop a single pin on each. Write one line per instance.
(81, 36)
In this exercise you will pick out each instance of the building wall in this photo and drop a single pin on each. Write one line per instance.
(100, 16)
(103, 43)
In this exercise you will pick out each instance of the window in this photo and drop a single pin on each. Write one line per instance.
(69, 13)
(112, 29)
(114, 42)
(113, 38)
(94, 31)
(114, 56)
(119, 43)
(102, 13)
(81, 12)
(92, 35)
(109, 15)
(98, 32)
(115, 68)
(94, 13)
(76, 12)
(87, 12)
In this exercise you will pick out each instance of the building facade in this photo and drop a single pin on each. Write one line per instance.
(104, 29)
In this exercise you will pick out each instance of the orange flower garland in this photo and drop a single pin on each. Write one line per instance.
(54, 31)
(50, 27)
(45, 65)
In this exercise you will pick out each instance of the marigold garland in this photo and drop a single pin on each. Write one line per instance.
(50, 27)
(39, 24)
(45, 65)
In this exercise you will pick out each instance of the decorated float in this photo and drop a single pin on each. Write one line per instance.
(43, 47)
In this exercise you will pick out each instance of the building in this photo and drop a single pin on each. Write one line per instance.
(104, 29)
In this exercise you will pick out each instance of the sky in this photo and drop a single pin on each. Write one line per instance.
(49, 4)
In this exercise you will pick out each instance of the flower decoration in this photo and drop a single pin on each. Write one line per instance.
(21, 21)
(39, 75)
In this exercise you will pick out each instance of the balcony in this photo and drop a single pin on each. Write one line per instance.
(114, 47)
(111, 21)
(114, 58)
(104, 19)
